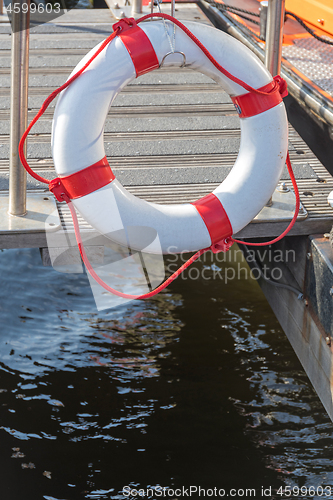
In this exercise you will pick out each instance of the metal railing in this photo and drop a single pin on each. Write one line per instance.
(274, 39)
(274, 36)
(18, 105)
(137, 7)
(20, 73)
(263, 18)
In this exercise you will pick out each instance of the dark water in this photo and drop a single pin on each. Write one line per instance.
(196, 387)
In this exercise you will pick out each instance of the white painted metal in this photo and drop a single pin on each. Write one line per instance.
(77, 138)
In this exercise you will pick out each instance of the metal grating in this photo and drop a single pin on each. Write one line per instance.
(314, 59)
(313, 192)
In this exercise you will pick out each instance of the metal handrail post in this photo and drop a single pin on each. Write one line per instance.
(137, 7)
(274, 39)
(274, 36)
(18, 104)
(263, 7)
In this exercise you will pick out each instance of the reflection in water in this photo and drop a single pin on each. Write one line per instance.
(197, 386)
(284, 418)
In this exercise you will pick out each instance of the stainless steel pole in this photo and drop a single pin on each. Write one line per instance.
(137, 7)
(263, 18)
(173, 8)
(274, 36)
(18, 103)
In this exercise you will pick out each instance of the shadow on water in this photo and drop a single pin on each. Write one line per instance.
(197, 386)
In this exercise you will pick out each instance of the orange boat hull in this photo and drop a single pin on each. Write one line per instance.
(319, 13)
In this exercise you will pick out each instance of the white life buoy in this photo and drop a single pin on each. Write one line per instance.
(78, 146)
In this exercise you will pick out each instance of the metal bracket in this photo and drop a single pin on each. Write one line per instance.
(124, 9)
(40, 206)
(183, 64)
(282, 207)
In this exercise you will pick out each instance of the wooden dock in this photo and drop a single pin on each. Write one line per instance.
(171, 137)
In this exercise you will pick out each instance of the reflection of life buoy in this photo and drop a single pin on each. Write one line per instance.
(78, 147)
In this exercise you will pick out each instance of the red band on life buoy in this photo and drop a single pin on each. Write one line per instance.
(84, 182)
(138, 46)
(251, 104)
(215, 217)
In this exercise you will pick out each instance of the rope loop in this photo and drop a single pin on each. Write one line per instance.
(57, 188)
(293, 220)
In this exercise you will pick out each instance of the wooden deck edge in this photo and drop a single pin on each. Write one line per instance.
(252, 231)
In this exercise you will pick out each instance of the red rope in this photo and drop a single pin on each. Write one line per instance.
(208, 54)
(107, 287)
(52, 96)
(293, 220)
(46, 104)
